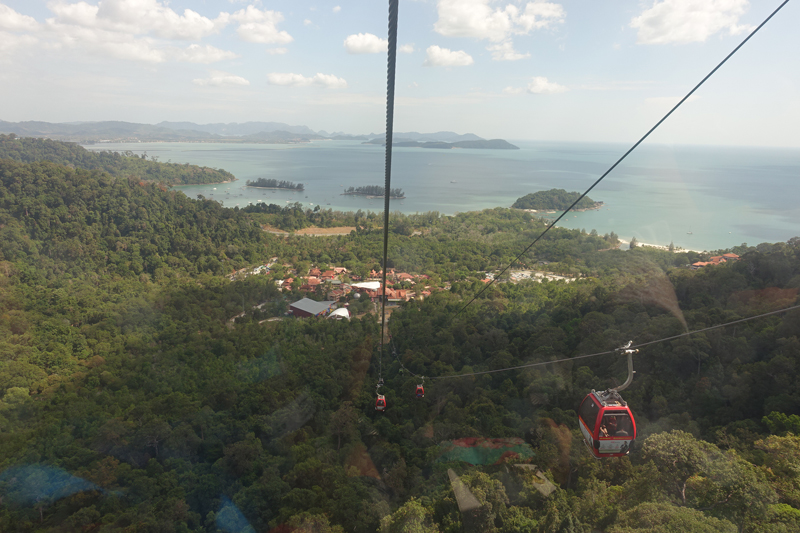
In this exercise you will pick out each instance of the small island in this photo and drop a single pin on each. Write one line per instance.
(555, 200)
(263, 183)
(374, 191)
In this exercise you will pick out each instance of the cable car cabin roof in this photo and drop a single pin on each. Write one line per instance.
(609, 398)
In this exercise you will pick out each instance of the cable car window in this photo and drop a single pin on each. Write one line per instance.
(588, 412)
(616, 424)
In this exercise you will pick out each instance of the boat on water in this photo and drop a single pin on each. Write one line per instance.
(688, 233)
(453, 181)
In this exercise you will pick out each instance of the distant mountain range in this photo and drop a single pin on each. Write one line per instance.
(266, 132)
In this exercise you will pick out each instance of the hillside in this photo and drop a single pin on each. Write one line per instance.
(129, 165)
(142, 388)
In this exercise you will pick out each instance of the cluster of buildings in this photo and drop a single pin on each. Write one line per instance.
(258, 269)
(338, 282)
(716, 260)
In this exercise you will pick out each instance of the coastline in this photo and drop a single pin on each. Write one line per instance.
(596, 206)
(623, 244)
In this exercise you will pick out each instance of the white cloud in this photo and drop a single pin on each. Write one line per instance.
(133, 30)
(365, 43)
(505, 52)
(298, 80)
(479, 20)
(540, 85)
(135, 50)
(307, 22)
(221, 79)
(513, 90)
(137, 17)
(277, 51)
(10, 42)
(12, 21)
(442, 57)
(687, 21)
(336, 9)
(256, 26)
(115, 44)
(196, 53)
(406, 49)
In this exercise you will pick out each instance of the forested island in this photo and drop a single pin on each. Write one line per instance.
(263, 183)
(144, 388)
(28, 149)
(556, 200)
(374, 191)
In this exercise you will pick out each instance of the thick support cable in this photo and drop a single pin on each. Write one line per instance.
(390, 69)
(632, 148)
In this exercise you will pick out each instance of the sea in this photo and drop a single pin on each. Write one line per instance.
(696, 197)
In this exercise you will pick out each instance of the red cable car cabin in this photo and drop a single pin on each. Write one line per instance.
(420, 391)
(380, 403)
(607, 424)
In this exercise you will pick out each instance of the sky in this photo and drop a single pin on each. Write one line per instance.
(571, 70)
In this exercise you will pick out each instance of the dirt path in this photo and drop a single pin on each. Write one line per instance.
(312, 231)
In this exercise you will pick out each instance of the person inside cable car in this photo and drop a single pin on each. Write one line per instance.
(614, 426)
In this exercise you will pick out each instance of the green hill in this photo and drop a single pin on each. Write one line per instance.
(554, 199)
(129, 165)
(141, 389)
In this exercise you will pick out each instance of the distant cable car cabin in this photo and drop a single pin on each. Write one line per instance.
(606, 421)
(607, 424)
(420, 391)
(380, 403)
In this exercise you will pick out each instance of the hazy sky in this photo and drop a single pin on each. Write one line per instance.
(583, 70)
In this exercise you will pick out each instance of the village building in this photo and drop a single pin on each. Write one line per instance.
(315, 272)
(307, 308)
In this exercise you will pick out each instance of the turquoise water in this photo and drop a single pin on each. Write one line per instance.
(698, 197)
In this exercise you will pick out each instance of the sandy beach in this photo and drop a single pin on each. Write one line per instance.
(625, 245)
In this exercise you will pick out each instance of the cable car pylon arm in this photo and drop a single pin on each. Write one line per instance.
(627, 350)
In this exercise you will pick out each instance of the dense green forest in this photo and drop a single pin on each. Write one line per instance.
(131, 401)
(128, 165)
(555, 199)
(374, 190)
(274, 184)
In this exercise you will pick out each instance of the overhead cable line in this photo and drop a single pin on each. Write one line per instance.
(631, 149)
(391, 57)
(635, 346)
